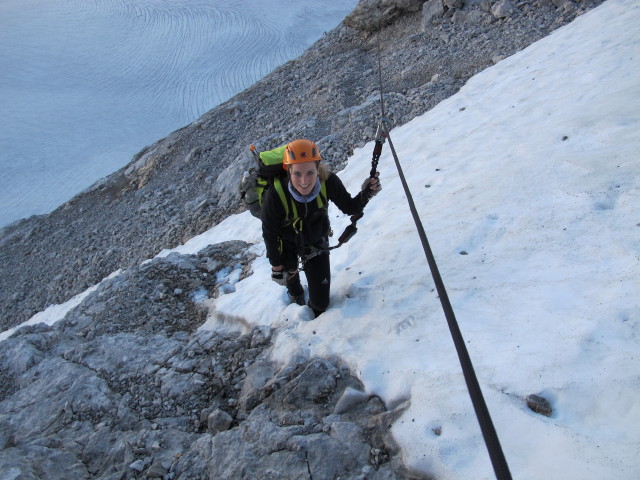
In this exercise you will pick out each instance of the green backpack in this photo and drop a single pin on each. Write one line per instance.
(269, 172)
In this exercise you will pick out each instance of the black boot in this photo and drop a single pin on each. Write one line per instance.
(299, 299)
(316, 312)
(294, 289)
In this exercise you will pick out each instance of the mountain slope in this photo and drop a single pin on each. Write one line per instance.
(185, 183)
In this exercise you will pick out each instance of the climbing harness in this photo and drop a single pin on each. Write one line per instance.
(498, 461)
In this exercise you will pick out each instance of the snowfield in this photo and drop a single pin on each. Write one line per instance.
(528, 185)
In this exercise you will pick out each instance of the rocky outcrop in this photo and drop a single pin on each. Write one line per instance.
(127, 387)
(372, 15)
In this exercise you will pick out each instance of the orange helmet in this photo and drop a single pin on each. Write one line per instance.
(300, 151)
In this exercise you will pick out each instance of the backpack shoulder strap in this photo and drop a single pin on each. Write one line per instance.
(321, 199)
(285, 199)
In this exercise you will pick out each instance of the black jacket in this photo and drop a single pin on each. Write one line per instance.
(278, 234)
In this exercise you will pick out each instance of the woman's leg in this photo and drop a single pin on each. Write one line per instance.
(318, 272)
(294, 287)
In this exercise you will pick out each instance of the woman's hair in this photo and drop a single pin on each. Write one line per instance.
(323, 171)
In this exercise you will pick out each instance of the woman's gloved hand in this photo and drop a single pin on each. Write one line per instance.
(372, 186)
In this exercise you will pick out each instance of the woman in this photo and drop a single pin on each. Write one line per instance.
(295, 223)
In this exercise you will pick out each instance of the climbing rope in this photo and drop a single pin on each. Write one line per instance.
(500, 467)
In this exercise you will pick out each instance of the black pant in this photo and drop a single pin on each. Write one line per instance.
(318, 273)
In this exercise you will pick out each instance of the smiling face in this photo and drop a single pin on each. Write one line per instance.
(304, 176)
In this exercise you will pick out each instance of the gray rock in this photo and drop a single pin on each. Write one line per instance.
(539, 405)
(503, 9)
(431, 10)
(453, 3)
(472, 17)
(350, 397)
(138, 466)
(157, 470)
(371, 15)
(218, 421)
(564, 5)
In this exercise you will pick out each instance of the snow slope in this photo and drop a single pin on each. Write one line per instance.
(527, 182)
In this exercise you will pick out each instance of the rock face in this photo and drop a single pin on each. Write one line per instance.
(371, 15)
(127, 387)
(187, 182)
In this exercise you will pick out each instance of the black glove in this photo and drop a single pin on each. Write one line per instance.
(279, 277)
(371, 186)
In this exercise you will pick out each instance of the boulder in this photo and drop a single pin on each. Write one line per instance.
(503, 9)
(371, 15)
